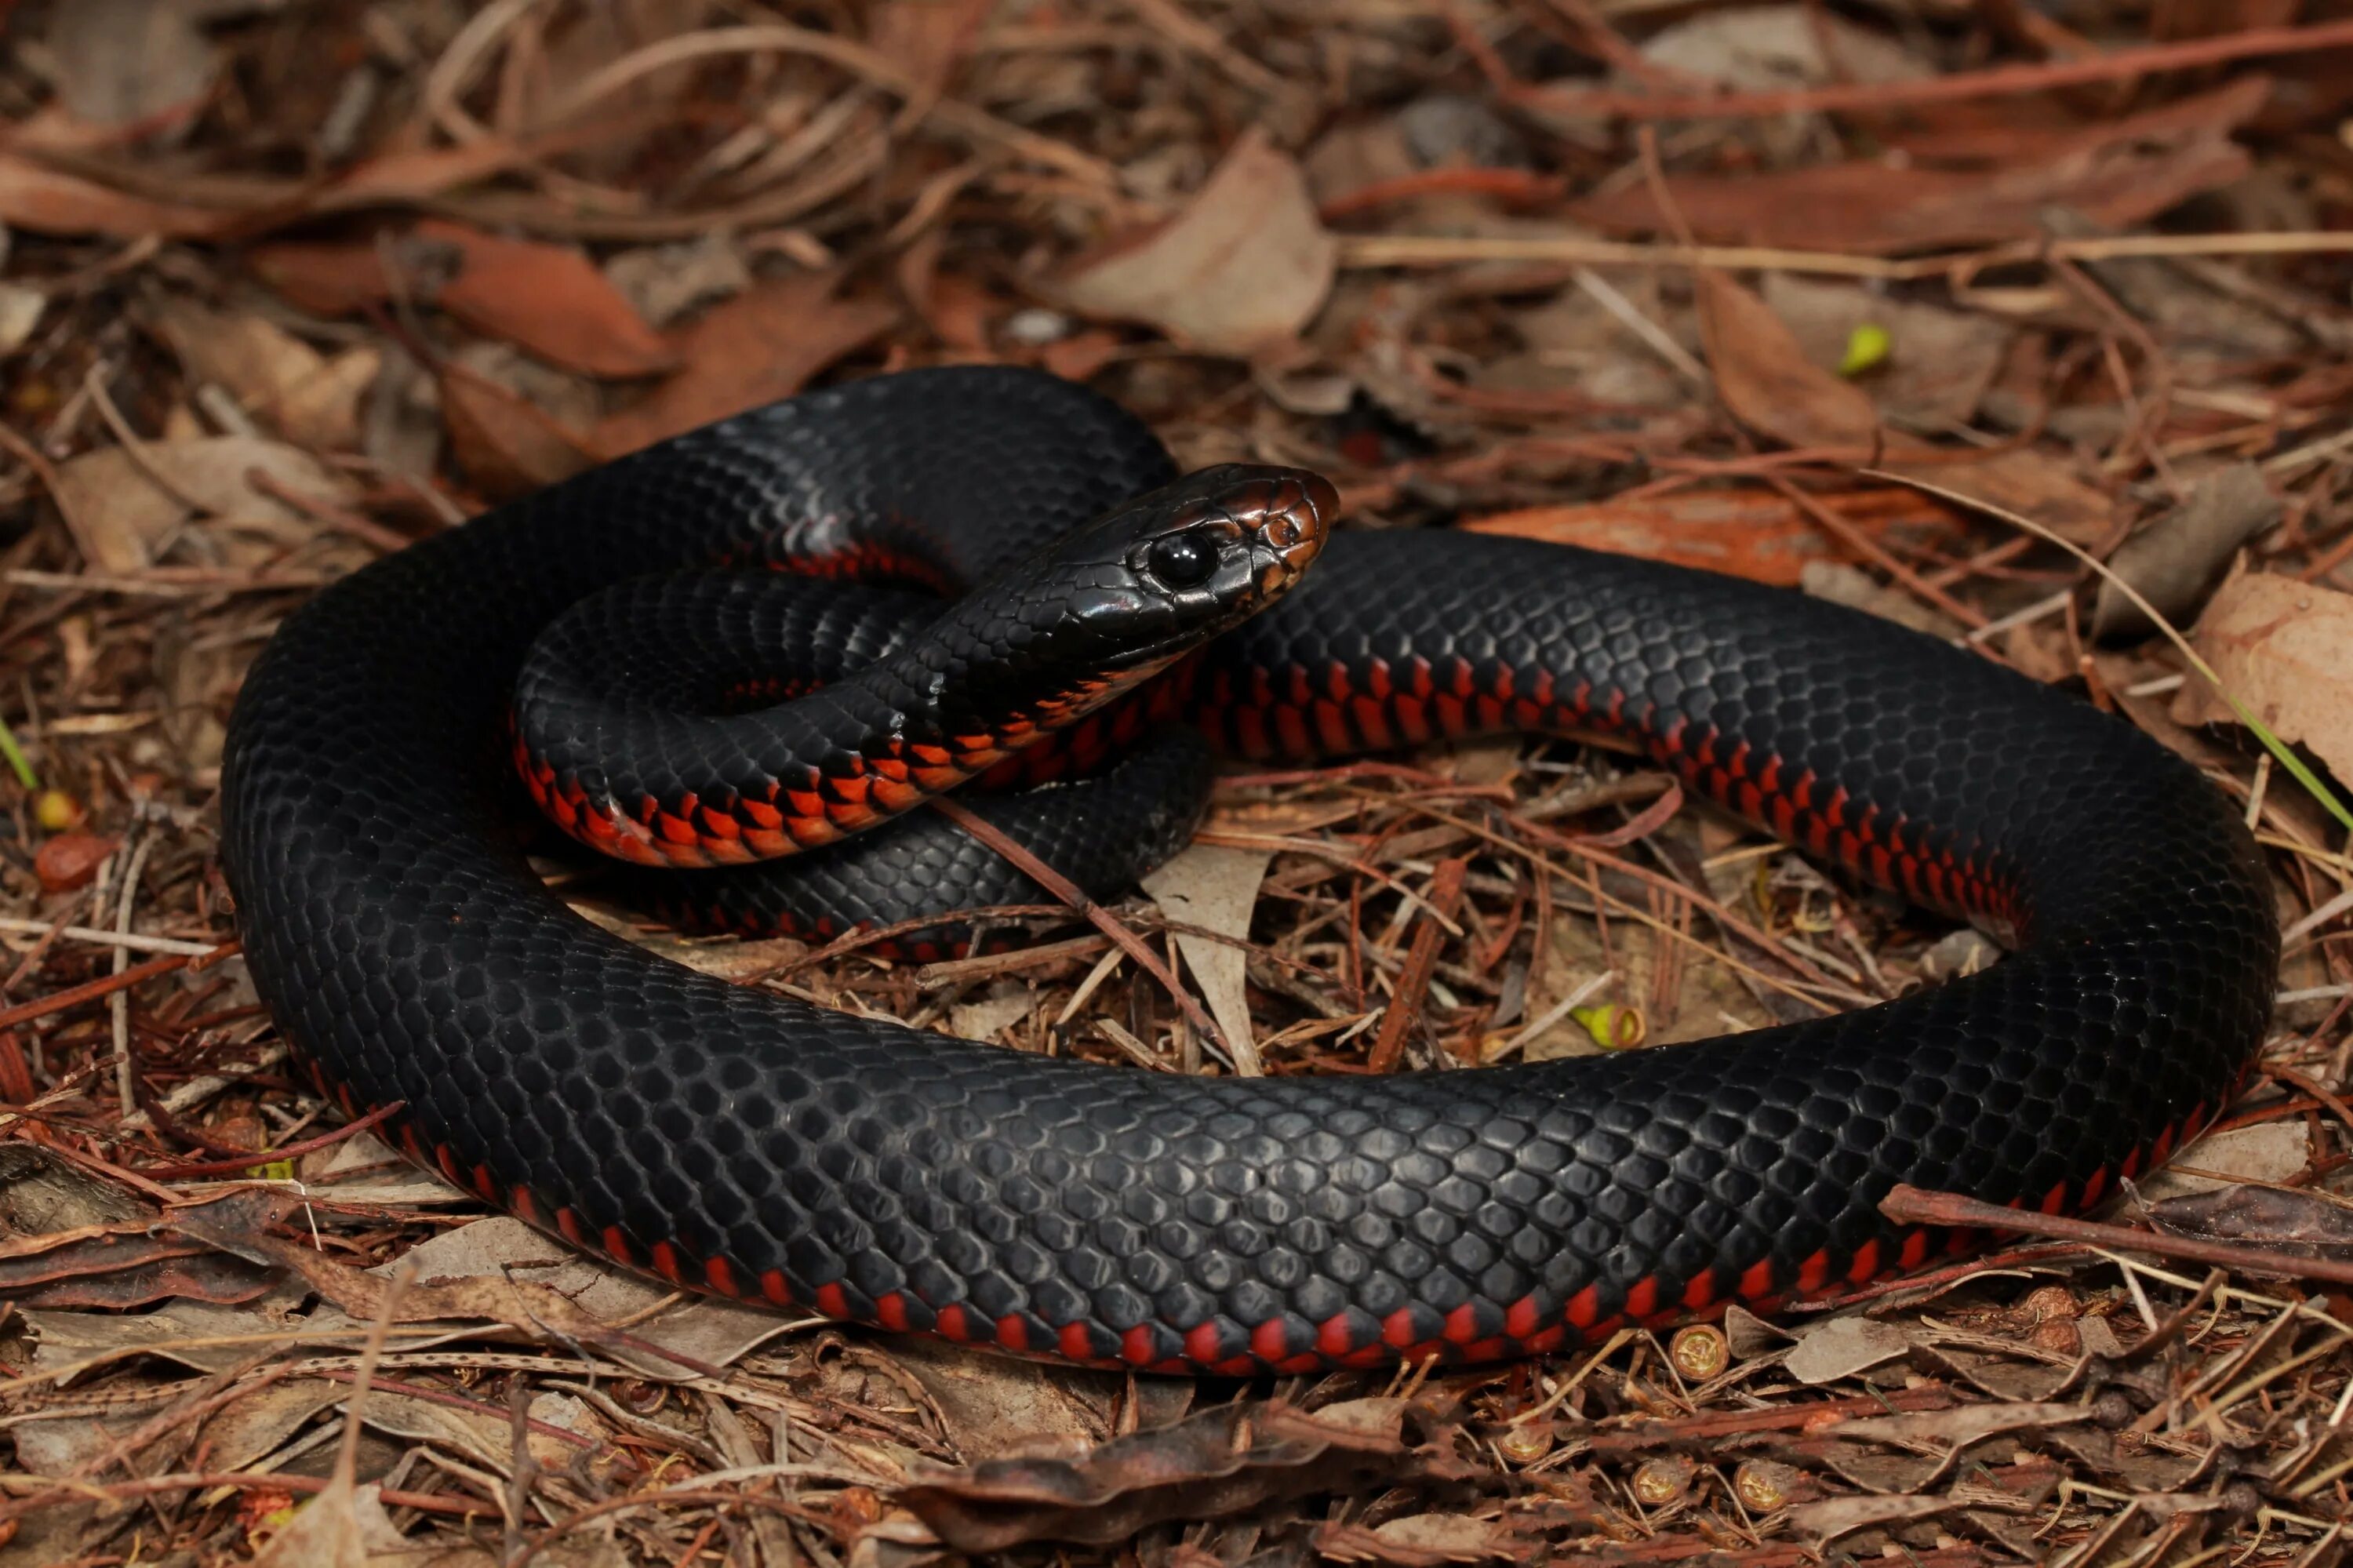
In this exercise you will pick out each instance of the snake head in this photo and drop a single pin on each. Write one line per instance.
(1125, 596)
(1171, 569)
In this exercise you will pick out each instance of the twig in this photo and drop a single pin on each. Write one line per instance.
(1372, 250)
(266, 1156)
(119, 1005)
(1413, 980)
(1958, 87)
(90, 991)
(1063, 889)
(1913, 1206)
(132, 941)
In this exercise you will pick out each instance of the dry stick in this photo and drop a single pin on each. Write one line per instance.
(198, 1481)
(119, 1004)
(1871, 549)
(92, 990)
(320, 510)
(1362, 251)
(132, 940)
(2312, 1086)
(268, 1156)
(1912, 1205)
(1413, 980)
(866, 937)
(1063, 889)
(2000, 81)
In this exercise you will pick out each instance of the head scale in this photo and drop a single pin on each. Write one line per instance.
(1125, 596)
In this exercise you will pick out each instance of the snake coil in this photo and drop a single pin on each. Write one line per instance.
(743, 1142)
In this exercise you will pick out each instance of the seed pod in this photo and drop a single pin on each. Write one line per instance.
(54, 810)
(2058, 1335)
(1763, 1485)
(1526, 1443)
(2049, 1301)
(1700, 1351)
(1662, 1481)
(1613, 1027)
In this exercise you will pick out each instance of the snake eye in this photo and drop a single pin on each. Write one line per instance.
(1184, 561)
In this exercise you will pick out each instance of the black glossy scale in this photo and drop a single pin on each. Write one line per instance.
(737, 1139)
(720, 642)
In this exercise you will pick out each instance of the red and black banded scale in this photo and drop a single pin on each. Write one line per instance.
(744, 1143)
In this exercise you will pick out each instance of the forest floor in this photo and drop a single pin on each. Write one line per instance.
(1920, 308)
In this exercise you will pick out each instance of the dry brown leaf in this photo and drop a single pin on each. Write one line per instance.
(1939, 362)
(1841, 1347)
(2282, 1219)
(761, 345)
(419, 174)
(2284, 648)
(1423, 1541)
(547, 299)
(2267, 1152)
(1757, 48)
(1215, 888)
(663, 282)
(314, 399)
(49, 201)
(67, 861)
(128, 63)
(2174, 560)
(324, 278)
(1009, 1004)
(20, 312)
(1243, 268)
(1882, 209)
(506, 444)
(1764, 376)
(1752, 532)
(1823, 1522)
(1222, 1461)
(343, 1527)
(2024, 480)
(121, 505)
(928, 39)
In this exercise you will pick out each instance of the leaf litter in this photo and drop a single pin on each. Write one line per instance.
(288, 287)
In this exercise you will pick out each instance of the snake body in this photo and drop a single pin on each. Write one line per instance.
(740, 1141)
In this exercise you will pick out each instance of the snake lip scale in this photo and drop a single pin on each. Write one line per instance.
(746, 1143)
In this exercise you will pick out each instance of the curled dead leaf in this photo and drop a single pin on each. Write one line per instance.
(1764, 376)
(2283, 649)
(1220, 1462)
(50, 201)
(506, 443)
(763, 344)
(2277, 1219)
(1215, 888)
(1244, 267)
(272, 374)
(327, 280)
(70, 859)
(1424, 1541)
(1841, 1347)
(547, 299)
(2267, 1152)
(2174, 560)
(1755, 534)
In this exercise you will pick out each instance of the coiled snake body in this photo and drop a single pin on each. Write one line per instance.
(739, 1141)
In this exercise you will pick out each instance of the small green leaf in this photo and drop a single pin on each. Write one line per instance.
(1866, 349)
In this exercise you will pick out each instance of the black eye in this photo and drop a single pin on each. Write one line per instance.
(1184, 561)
